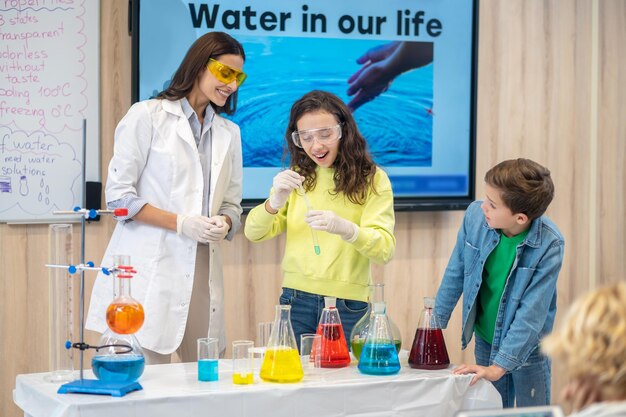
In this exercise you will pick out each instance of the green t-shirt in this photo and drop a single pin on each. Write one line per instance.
(497, 268)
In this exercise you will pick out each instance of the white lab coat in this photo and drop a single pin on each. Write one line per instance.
(157, 158)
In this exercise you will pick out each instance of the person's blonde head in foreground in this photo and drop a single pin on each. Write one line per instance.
(591, 343)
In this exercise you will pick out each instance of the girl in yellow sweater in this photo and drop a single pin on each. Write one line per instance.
(334, 188)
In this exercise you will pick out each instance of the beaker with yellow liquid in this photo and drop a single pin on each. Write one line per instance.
(282, 362)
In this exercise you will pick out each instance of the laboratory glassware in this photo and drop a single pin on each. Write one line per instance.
(310, 354)
(243, 362)
(124, 315)
(281, 362)
(379, 355)
(208, 358)
(334, 348)
(359, 331)
(429, 347)
(309, 207)
(119, 357)
(61, 304)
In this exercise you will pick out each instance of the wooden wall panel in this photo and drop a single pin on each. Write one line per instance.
(544, 92)
(611, 198)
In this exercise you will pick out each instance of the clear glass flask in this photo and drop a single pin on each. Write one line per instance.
(429, 347)
(61, 304)
(119, 357)
(359, 331)
(379, 355)
(334, 351)
(124, 315)
(281, 362)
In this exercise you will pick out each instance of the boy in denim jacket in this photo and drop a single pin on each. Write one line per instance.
(505, 263)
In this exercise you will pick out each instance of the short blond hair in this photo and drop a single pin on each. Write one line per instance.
(592, 340)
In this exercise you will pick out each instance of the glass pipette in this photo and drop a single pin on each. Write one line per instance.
(316, 243)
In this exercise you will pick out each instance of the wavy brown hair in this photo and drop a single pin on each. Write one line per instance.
(354, 167)
(209, 45)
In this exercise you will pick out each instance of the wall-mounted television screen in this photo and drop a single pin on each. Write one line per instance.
(406, 68)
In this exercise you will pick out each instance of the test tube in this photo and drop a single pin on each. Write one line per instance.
(316, 243)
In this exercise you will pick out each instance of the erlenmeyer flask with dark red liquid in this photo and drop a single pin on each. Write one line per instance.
(334, 347)
(429, 348)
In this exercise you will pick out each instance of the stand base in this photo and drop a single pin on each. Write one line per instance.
(95, 386)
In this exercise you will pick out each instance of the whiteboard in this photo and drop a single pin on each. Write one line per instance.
(49, 61)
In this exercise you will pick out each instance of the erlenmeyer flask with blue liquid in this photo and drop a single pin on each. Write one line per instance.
(379, 355)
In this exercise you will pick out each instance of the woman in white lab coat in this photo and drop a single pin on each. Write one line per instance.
(177, 167)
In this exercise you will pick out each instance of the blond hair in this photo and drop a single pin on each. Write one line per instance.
(592, 340)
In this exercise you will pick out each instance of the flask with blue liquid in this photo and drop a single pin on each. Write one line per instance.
(119, 357)
(379, 355)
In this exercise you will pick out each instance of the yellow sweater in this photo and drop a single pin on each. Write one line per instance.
(342, 269)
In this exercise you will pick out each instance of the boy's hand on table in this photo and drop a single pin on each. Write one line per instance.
(490, 373)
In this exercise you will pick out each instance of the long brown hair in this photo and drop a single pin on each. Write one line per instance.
(354, 167)
(209, 45)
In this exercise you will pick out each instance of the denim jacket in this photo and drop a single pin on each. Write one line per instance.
(528, 304)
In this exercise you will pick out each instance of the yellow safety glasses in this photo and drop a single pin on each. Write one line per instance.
(224, 73)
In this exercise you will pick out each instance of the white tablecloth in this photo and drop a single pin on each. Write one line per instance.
(174, 391)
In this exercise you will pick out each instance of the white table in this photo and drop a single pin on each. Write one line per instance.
(173, 391)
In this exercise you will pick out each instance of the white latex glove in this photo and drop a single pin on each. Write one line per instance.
(194, 227)
(219, 229)
(328, 221)
(284, 183)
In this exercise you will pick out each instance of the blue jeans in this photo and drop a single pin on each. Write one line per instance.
(528, 385)
(306, 310)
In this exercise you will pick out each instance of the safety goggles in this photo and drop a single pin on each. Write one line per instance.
(323, 135)
(225, 73)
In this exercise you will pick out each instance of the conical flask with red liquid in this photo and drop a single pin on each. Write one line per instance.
(334, 347)
(429, 348)
(119, 357)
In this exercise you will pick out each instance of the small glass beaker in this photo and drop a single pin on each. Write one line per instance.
(310, 350)
(243, 365)
(264, 331)
(208, 356)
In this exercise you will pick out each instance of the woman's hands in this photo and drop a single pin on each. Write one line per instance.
(202, 229)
